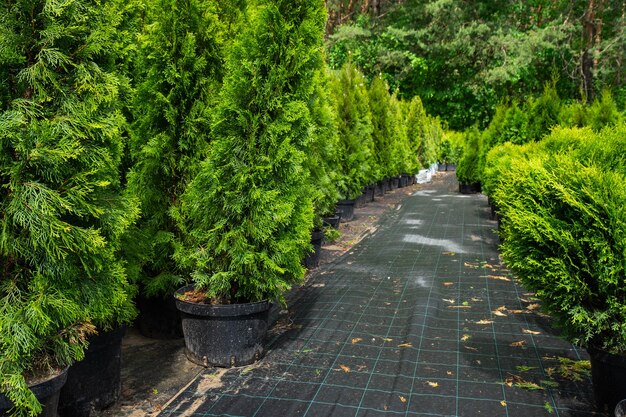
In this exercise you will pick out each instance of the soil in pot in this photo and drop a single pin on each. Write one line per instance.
(346, 207)
(158, 318)
(608, 374)
(225, 335)
(94, 383)
(47, 392)
(313, 259)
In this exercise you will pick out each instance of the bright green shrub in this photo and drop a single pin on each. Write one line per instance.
(565, 227)
(497, 161)
(422, 144)
(61, 207)
(603, 112)
(247, 215)
(542, 113)
(356, 146)
(323, 160)
(467, 171)
(402, 160)
(383, 134)
(179, 71)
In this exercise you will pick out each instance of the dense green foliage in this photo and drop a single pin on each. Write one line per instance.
(179, 71)
(563, 219)
(61, 206)
(464, 57)
(354, 120)
(247, 215)
(467, 171)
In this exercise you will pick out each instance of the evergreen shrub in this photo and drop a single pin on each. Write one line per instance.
(354, 120)
(565, 227)
(247, 216)
(468, 169)
(61, 206)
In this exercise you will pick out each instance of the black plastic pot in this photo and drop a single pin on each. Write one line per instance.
(380, 189)
(370, 193)
(346, 207)
(362, 199)
(404, 180)
(224, 335)
(313, 259)
(47, 392)
(158, 318)
(442, 167)
(332, 221)
(472, 188)
(608, 375)
(95, 382)
(451, 167)
(394, 182)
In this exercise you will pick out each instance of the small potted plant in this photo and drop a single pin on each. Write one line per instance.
(247, 216)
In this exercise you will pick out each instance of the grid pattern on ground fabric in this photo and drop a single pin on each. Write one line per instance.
(419, 319)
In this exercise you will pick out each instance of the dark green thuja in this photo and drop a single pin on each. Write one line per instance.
(247, 215)
(61, 210)
(180, 72)
(356, 145)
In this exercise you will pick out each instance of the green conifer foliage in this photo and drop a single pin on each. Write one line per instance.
(61, 210)
(323, 160)
(468, 170)
(356, 145)
(382, 129)
(421, 143)
(402, 160)
(248, 214)
(179, 66)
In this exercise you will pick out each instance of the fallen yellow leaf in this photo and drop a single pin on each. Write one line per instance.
(450, 373)
(499, 277)
(402, 399)
(459, 306)
(473, 349)
(345, 368)
(386, 339)
(405, 345)
(356, 340)
(527, 331)
(503, 403)
(518, 343)
(484, 322)
(466, 337)
(498, 313)
(533, 306)
(432, 384)
(449, 300)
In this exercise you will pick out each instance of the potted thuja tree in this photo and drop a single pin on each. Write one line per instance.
(247, 215)
(61, 207)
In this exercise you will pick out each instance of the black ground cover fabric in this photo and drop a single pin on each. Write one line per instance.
(419, 319)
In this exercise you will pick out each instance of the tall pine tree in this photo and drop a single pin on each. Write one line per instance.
(61, 210)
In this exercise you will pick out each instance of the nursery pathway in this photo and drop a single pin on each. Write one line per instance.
(418, 319)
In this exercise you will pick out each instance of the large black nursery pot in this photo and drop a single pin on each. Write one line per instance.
(158, 318)
(332, 221)
(47, 392)
(370, 193)
(94, 383)
(380, 188)
(395, 182)
(225, 335)
(312, 260)
(608, 376)
(362, 199)
(346, 207)
(472, 188)
(404, 180)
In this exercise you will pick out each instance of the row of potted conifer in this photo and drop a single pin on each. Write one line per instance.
(171, 147)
